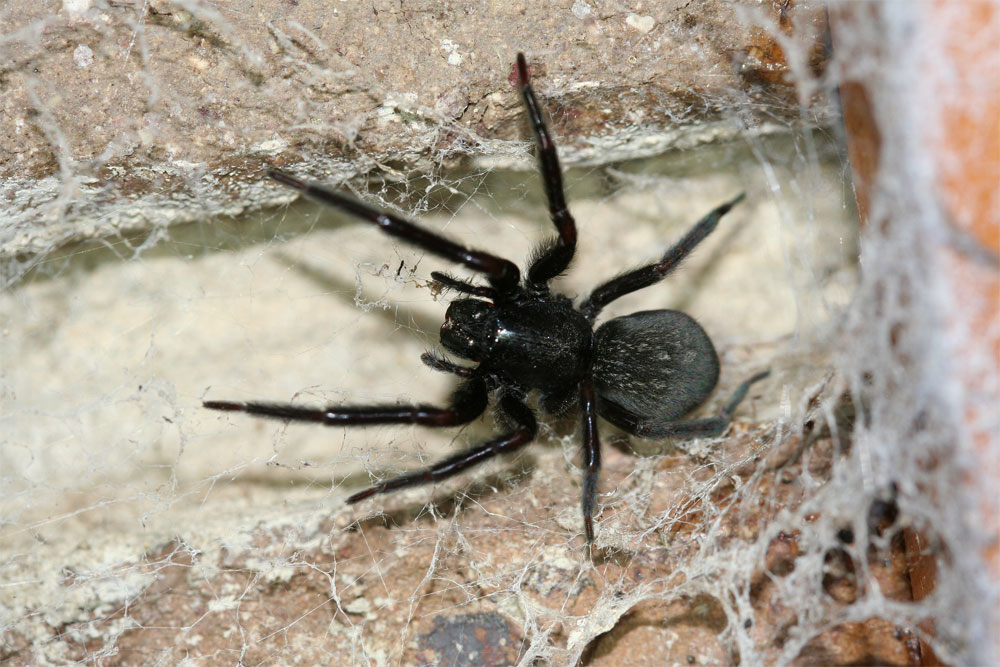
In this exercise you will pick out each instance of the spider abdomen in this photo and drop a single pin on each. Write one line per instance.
(654, 364)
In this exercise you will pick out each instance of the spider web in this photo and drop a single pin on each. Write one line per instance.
(139, 528)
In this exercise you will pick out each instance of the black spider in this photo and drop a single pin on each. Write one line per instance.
(640, 372)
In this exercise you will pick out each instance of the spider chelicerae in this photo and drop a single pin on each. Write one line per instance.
(641, 372)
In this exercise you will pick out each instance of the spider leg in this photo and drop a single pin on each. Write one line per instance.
(520, 436)
(704, 428)
(553, 259)
(446, 366)
(653, 273)
(591, 456)
(463, 286)
(502, 273)
(468, 402)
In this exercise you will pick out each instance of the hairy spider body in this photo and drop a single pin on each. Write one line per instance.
(640, 372)
(655, 365)
(530, 344)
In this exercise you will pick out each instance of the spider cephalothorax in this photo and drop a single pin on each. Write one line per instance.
(640, 372)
